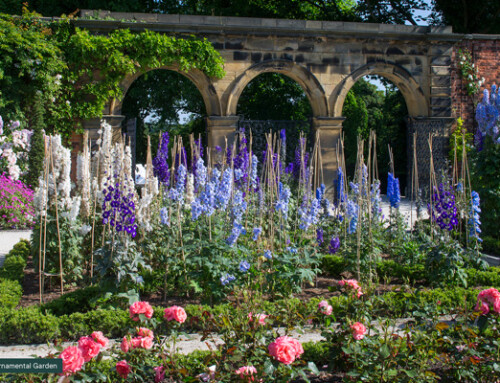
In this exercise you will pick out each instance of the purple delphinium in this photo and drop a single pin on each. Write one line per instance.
(334, 245)
(254, 178)
(160, 162)
(319, 236)
(118, 210)
(241, 160)
(444, 211)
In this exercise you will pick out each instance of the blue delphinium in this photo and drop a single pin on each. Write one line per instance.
(254, 178)
(164, 219)
(244, 266)
(352, 216)
(488, 114)
(340, 185)
(177, 193)
(196, 209)
(227, 278)
(239, 206)
(393, 192)
(160, 164)
(268, 254)
(225, 187)
(236, 231)
(256, 233)
(376, 201)
(283, 200)
(474, 217)
(309, 216)
(334, 245)
(354, 188)
(201, 175)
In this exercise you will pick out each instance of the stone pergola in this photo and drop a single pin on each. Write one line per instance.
(326, 58)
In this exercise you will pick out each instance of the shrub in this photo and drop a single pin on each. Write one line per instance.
(113, 323)
(10, 293)
(13, 268)
(22, 248)
(491, 245)
(16, 204)
(489, 278)
(27, 325)
(75, 301)
(333, 265)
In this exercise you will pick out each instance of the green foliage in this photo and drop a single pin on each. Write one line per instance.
(491, 245)
(288, 100)
(27, 325)
(76, 301)
(486, 181)
(13, 268)
(333, 265)
(22, 248)
(10, 293)
(34, 52)
(37, 145)
(458, 138)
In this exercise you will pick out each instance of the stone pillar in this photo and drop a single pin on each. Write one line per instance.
(220, 128)
(329, 129)
(440, 128)
(93, 125)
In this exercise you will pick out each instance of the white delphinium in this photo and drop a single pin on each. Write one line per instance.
(74, 209)
(128, 180)
(40, 197)
(83, 180)
(59, 174)
(189, 191)
(142, 211)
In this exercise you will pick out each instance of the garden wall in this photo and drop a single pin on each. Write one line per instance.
(485, 51)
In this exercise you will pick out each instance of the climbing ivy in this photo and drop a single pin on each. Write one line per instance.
(77, 71)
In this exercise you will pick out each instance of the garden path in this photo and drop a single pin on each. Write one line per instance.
(192, 342)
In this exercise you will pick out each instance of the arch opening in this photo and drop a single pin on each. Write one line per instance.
(162, 100)
(376, 104)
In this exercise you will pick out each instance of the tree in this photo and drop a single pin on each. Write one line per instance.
(467, 16)
(37, 146)
(273, 96)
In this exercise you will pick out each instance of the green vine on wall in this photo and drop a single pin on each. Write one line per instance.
(79, 72)
(469, 72)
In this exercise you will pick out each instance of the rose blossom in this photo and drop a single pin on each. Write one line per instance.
(358, 330)
(159, 374)
(352, 284)
(140, 308)
(88, 347)
(126, 343)
(325, 308)
(144, 332)
(100, 338)
(175, 313)
(246, 371)
(488, 297)
(285, 349)
(259, 317)
(123, 368)
(72, 360)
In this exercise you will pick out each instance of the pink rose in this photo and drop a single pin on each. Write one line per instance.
(72, 360)
(138, 308)
(352, 284)
(285, 349)
(358, 330)
(175, 313)
(123, 368)
(325, 308)
(136, 342)
(246, 371)
(145, 332)
(99, 337)
(145, 342)
(488, 297)
(261, 318)
(88, 347)
(159, 374)
(126, 343)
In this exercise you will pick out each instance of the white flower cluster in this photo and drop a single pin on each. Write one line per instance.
(14, 148)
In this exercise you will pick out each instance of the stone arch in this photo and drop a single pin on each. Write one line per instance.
(199, 79)
(415, 99)
(301, 75)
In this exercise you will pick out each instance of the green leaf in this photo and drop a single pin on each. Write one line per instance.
(384, 351)
(313, 368)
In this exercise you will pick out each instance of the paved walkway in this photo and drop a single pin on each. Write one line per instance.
(9, 238)
(188, 344)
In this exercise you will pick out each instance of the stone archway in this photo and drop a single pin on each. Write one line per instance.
(413, 94)
(197, 77)
(301, 75)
